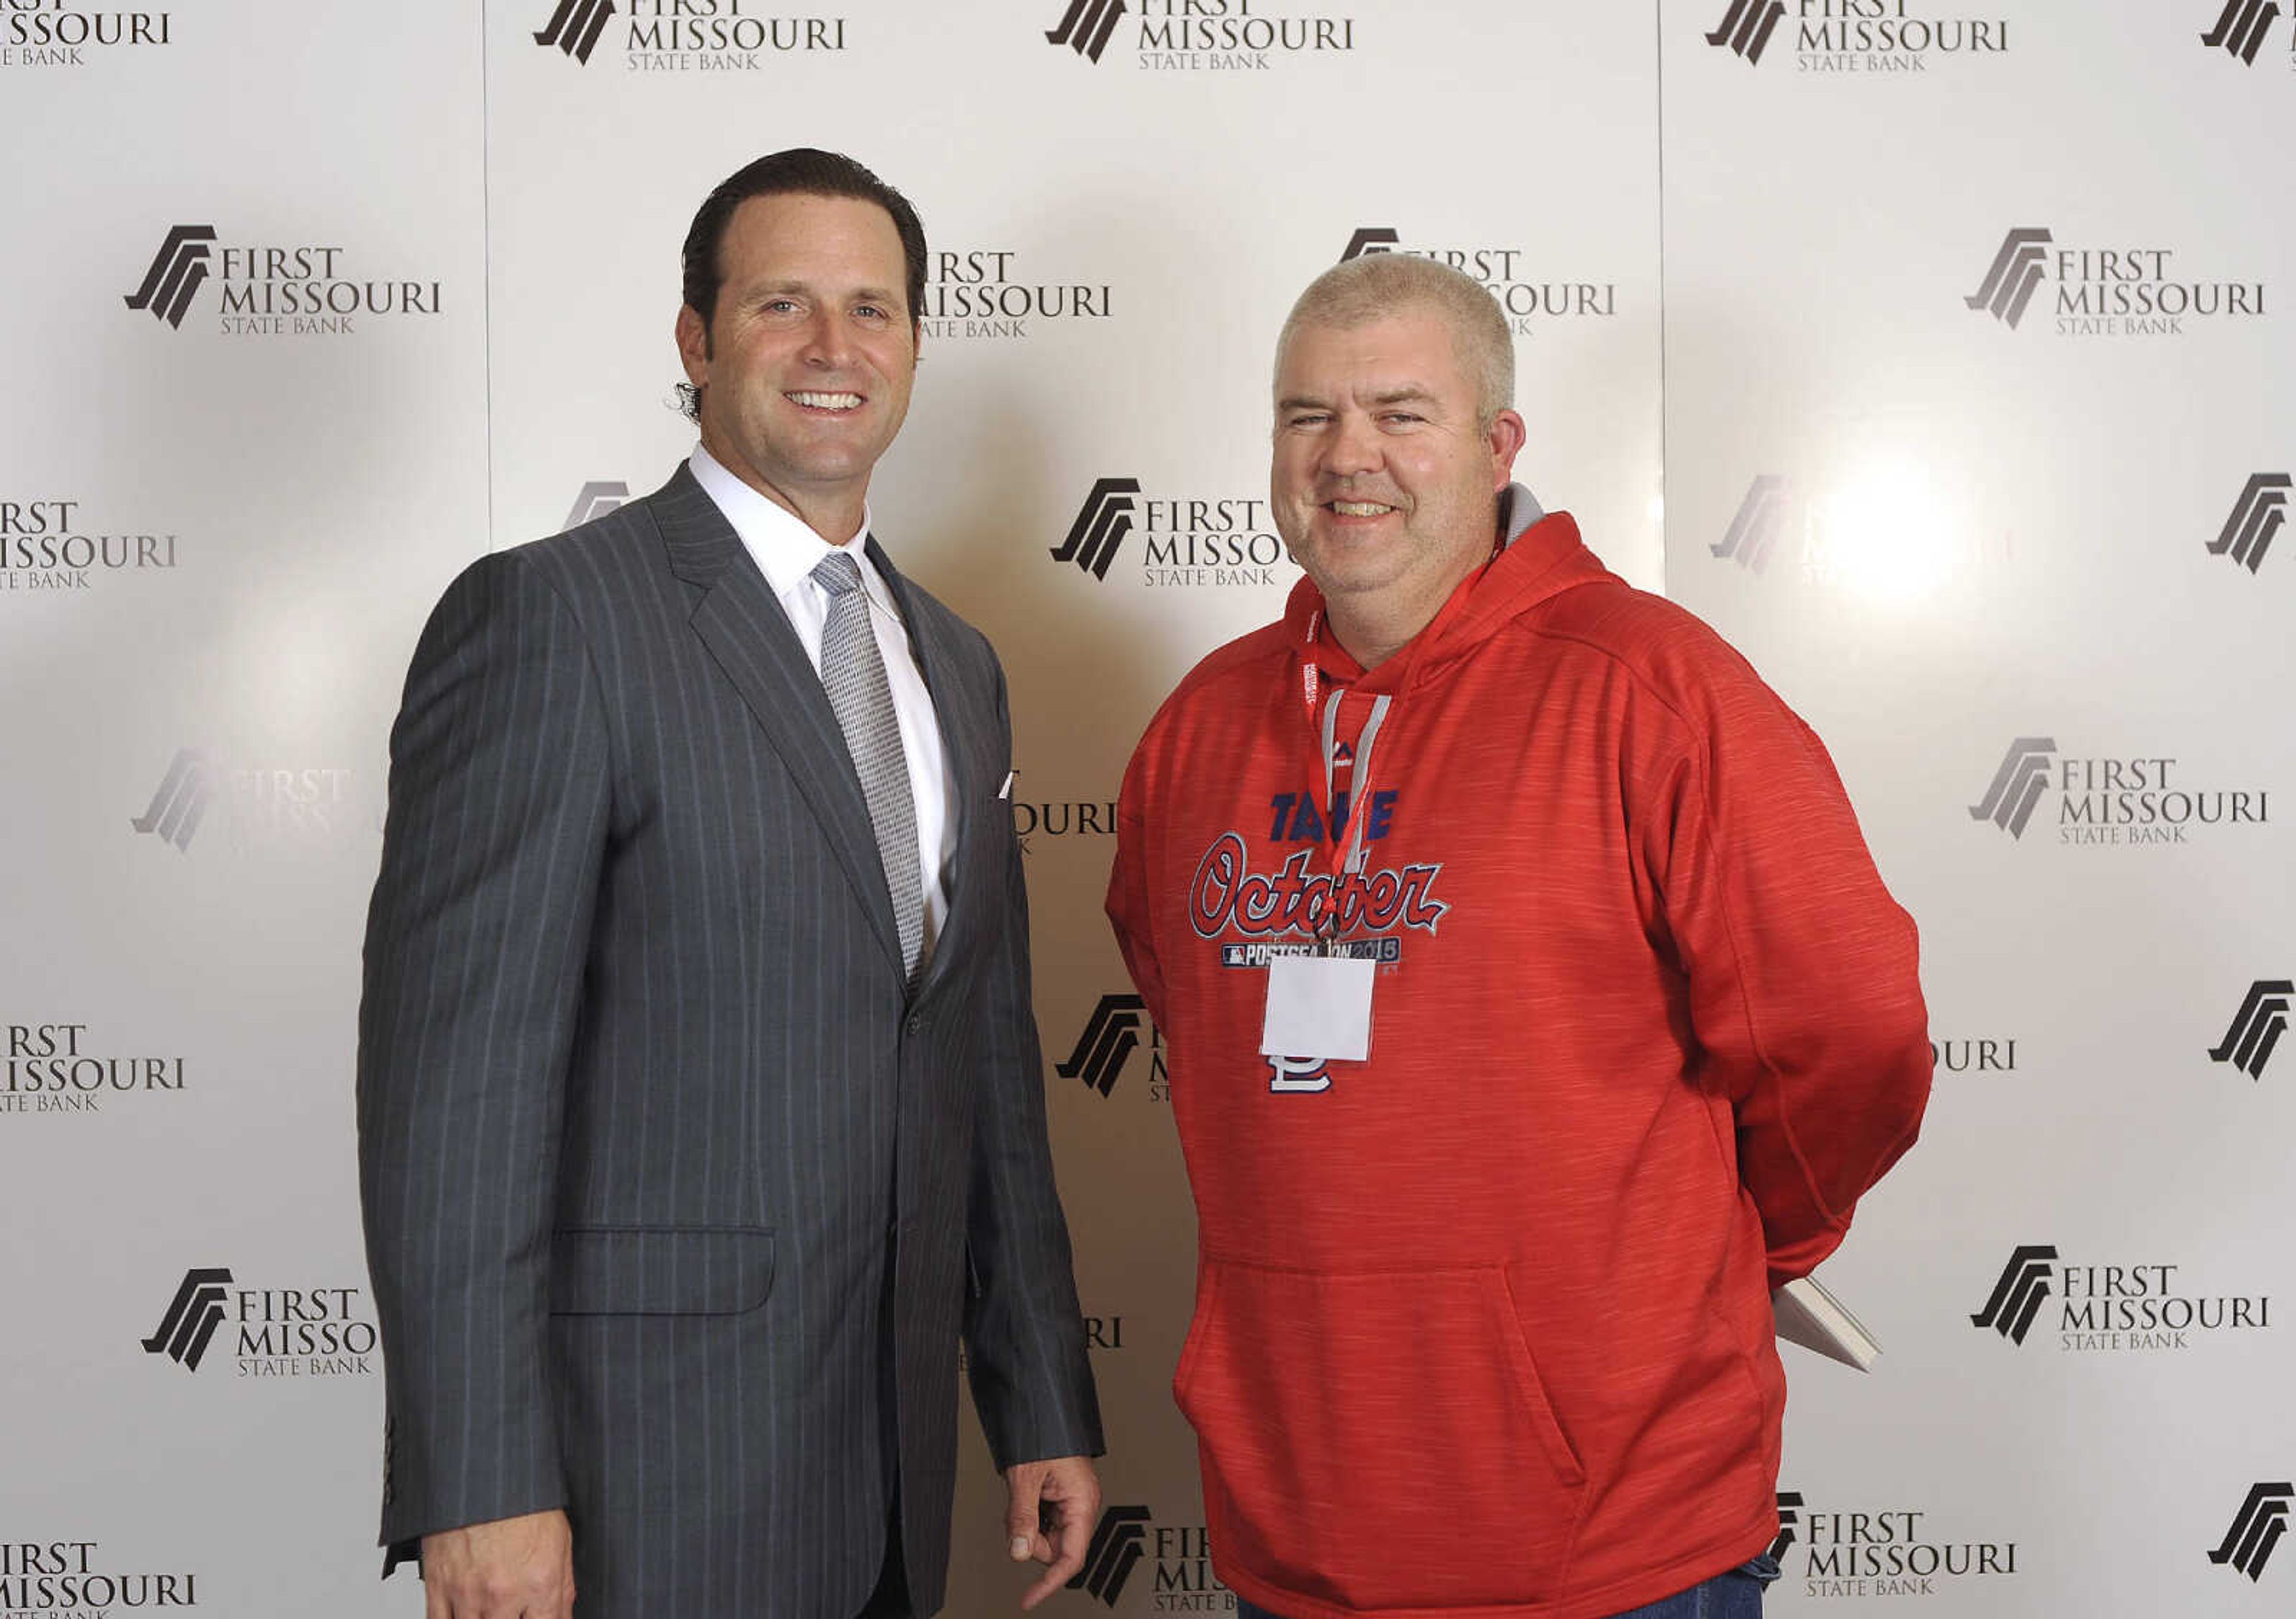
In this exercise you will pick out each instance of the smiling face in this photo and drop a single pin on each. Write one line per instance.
(1384, 483)
(805, 365)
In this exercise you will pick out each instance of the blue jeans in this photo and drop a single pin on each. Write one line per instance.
(1736, 1595)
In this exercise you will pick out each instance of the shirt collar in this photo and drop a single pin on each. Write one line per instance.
(786, 550)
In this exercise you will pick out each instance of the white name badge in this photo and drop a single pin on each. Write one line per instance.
(1319, 1006)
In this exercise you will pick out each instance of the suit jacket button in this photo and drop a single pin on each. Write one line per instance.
(915, 1023)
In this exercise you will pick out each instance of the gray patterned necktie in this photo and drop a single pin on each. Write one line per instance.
(853, 671)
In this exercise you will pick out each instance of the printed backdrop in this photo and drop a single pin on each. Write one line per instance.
(1934, 350)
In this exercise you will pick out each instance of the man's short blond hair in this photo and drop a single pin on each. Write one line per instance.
(1379, 286)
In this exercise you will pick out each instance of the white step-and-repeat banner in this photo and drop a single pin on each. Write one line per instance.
(1934, 350)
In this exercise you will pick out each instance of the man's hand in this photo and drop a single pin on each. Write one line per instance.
(512, 1568)
(1064, 1494)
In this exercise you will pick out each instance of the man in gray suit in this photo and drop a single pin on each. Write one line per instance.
(700, 1101)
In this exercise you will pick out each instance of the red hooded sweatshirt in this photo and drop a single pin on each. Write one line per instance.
(1483, 1322)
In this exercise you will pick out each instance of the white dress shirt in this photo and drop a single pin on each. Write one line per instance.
(787, 551)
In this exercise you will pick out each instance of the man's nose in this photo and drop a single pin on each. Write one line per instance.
(828, 343)
(1353, 446)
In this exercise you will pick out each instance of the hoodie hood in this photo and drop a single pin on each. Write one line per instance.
(1540, 556)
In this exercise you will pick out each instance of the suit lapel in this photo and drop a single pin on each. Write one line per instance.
(746, 631)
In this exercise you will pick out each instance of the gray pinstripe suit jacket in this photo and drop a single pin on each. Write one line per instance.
(646, 1112)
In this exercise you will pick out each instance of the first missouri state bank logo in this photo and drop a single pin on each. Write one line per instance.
(193, 1316)
(2256, 1529)
(1746, 27)
(59, 33)
(179, 270)
(1178, 1556)
(1885, 1552)
(1199, 36)
(2256, 517)
(2105, 292)
(67, 1577)
(1753, 532)
(2018, 1296)
(2112, 1308)
(2013, 275)
(59, 1068)
(596, 499)
(2017, 786)
(976, 291)
(1085, 27)
(1847, 535)
(2257, 1027)
(265, 808)
(1185, 540)
(1053, 818)
(1101, 524)
(2240, 28)
(180, 803)
(575, 26)
(1867, 37)
(45, 545)
(299, 289)
(1111, 1034)
(277, 1332)
(686, 36)
(1118, 1543)
(1790, 1504)
(2117, 801)
(1518, 282)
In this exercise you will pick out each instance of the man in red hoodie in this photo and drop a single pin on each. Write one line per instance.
(1533, 1008)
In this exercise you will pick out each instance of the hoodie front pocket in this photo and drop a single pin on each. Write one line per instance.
(1379, 1441)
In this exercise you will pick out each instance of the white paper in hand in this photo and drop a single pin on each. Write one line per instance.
(1809, 1315)
(1318, 1006)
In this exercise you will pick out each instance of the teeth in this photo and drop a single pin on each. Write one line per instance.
(829, 401)
(1359, 508)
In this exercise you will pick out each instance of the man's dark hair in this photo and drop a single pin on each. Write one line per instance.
(803, 170)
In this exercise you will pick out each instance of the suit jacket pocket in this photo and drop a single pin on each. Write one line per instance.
(661, 1269)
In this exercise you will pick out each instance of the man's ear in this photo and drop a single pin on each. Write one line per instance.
(1507, 437)
(694, 345)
